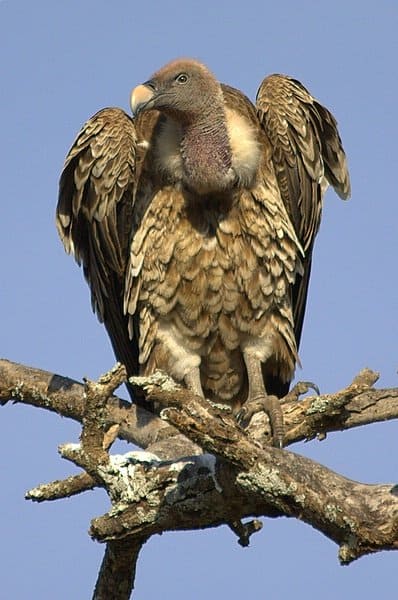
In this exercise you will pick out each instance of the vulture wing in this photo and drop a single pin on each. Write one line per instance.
(307, 154)
(94, 217)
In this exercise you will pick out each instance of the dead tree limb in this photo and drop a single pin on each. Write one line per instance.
(117, 572)
(246, 480)
(312, 416)
(172, 486)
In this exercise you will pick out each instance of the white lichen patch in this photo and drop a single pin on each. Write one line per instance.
(350, 523)
(267, 480)
(71, 448)
(159, 379)
(332, 512)
(17, 391)
(300, 499)
(126, 478)
(36, 494)
(318, 406)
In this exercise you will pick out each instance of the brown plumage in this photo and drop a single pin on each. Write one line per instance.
(195, 223)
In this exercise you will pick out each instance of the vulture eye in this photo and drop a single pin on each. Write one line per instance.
(181, 78)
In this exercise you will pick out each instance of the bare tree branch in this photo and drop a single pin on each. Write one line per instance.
(172, 486)
(249, 480)
(360, 518)
(303, 420)
(19, 383)
(66, 397)
(117, 573)
(76, 484)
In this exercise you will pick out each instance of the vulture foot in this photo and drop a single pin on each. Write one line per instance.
(258, 399)
(272, 407)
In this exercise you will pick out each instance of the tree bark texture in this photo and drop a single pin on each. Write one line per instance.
(199, 468)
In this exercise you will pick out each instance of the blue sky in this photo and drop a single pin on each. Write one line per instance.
(60, 63)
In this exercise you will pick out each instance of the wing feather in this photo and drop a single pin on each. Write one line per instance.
(307, 154)
(306, 147)
(95, 215)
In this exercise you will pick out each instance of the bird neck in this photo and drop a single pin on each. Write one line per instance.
(206, 152)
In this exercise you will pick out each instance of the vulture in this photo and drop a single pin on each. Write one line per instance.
(194, 222)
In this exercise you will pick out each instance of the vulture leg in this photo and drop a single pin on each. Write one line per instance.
(193, 383)
(258, 400)
(300, 388)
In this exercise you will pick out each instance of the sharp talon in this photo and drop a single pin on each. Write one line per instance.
(300, 388)
(312, 386)
(248, 410)
(241, 416)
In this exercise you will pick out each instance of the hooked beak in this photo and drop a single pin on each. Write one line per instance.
(142, 98)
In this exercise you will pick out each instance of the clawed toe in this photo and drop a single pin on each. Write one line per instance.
(309, 385)
(271, 406)
(300, 388)
(248, 410)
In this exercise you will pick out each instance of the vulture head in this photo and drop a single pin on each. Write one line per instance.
(183, 89)
(188, 95)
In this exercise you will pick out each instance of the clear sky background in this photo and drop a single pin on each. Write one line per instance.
(60, 63)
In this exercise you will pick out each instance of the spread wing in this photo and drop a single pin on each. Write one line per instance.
(307, 154)
(94, 217)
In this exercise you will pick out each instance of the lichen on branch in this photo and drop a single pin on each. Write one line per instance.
(201, 469)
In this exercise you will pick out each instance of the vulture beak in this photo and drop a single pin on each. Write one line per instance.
(142, 97)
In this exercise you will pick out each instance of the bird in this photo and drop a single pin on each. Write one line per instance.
(194, 220)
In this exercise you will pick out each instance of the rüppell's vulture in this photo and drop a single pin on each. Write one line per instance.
(195, 221)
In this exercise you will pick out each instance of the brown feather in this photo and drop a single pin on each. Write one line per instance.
(95, 216)
(190, 224)
(306, 150)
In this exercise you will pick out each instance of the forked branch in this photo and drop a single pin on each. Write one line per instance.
(239, 475)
